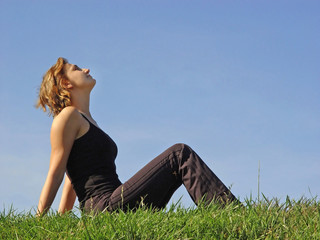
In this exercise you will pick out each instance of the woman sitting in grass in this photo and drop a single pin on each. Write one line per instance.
(87, 155)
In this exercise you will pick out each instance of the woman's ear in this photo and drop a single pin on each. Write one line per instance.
(67, 84)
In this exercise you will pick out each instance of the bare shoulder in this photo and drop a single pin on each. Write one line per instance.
(68, 120)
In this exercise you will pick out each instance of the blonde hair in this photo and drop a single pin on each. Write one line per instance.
(53, 93)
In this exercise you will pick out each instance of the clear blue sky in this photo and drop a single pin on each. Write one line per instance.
(239, 81)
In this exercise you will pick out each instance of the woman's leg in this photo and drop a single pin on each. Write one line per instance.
(158, 180)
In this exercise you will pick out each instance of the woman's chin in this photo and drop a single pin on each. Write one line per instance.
(93, 83)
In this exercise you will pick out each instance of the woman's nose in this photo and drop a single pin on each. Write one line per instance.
(86, 70)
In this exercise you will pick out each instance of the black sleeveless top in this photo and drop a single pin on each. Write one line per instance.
(91, 166)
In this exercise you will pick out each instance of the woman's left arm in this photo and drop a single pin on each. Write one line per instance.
(64, 130)
(68, 196)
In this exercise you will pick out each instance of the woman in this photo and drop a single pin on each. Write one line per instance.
(86, 154)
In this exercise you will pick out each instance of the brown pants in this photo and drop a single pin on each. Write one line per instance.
(155, 183)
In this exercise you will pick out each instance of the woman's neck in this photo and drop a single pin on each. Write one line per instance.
(82, 103)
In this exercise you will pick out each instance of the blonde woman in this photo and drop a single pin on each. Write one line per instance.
(85, 155)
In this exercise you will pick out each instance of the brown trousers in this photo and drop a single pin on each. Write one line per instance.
(155, 183)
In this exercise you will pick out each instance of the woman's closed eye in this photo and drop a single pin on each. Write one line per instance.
(77, 68)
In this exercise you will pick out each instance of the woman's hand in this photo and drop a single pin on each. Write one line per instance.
(64, 130)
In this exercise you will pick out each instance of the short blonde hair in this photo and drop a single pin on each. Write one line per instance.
(53, 93)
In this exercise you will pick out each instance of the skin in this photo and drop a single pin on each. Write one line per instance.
(67, 126)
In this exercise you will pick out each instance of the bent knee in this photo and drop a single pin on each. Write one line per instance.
(180, 146)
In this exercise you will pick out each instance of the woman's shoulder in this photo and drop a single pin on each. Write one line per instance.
(68, 116)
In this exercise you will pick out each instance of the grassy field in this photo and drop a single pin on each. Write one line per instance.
(267, 219)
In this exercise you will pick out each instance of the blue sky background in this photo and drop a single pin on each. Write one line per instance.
(239, 81)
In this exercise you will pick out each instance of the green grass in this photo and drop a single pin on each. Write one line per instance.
(266, 219)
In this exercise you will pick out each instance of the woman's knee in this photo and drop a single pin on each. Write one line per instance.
(180, 146)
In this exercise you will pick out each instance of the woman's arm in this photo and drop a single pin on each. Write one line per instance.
(64, 130)
(68, 196)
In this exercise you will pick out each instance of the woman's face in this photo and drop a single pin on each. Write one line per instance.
(78, 77)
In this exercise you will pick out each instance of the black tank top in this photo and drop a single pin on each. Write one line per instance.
(91, 166)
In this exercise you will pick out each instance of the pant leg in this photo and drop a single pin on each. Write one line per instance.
(155, 183)
(201, 183)
(158, 180)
